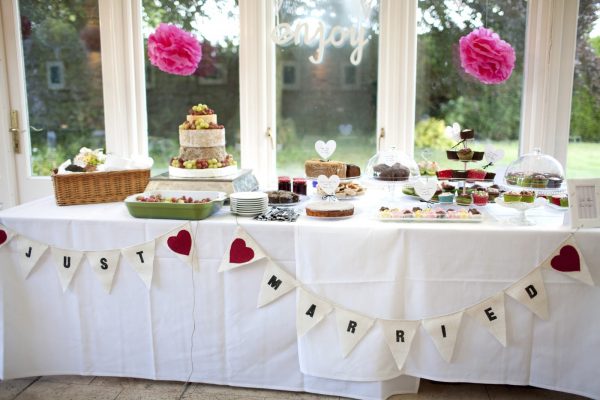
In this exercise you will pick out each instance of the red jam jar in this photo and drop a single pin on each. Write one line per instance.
(299, 186)
(284, 183)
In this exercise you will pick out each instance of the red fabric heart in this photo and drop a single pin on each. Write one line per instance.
(239, 252)
(567, 260)
(182, 243)
(3, 237)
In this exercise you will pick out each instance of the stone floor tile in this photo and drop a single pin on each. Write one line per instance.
(9, 389)
(508, 392)
(78, 379)
(135, 383)
(46, 390)
(429, 390)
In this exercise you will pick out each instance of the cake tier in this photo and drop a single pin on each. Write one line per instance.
(202, 138)
(207, 118)
(314, 168)
(202, 153)
(202, 173)
(327, 209)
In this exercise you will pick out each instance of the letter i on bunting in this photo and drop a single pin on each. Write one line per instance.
(275, 283)
(243, 250)
(66, 262)
(30, 252)
(490, 313)
(444, 331)
(531, 292)
(141, 259)
(310, 310)
(399, 336)
(567, 259)
(352, 327)
(5, 235)
(180, 242)
(104, 264)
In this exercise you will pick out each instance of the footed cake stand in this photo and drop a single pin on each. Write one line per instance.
(522, 207)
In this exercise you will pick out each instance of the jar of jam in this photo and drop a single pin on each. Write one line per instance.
(299, 186)
(284, 183)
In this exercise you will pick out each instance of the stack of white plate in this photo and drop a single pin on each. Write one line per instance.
(248, 204)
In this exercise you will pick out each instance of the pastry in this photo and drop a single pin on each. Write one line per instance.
(352, 171)
(396, 172)
(464, 199)
(512, 197)
(282, 197)
(329, 209)
(314, 168)
(480, 198)
(465, 154)
(444, 174)
(345, 190)
(539, 181)
(527, 196)
(467, 134)
(446, 198)
(475, 175)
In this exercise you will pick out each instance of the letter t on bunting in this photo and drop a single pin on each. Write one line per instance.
(243, 250)
(141, 258)
(352, 327)
(275, 283)
(310, 310)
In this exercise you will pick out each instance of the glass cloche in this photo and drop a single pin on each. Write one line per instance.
(535, 170)
(392, 165)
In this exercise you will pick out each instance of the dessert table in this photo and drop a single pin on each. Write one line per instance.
(204, 325)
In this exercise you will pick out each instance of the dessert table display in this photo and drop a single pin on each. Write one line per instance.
(414, 277)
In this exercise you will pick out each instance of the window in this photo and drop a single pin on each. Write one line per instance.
(584, 139)
(215, 23)
(446, 94)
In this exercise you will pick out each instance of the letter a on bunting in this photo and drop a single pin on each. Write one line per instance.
(567, 259)
(444, 331)
(242, 250)
(490, 313)
(275, 283)
(352, 327)
(310, 310)
(66, 262)
(531, 292)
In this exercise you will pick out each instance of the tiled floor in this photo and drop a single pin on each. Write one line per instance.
(101, 388)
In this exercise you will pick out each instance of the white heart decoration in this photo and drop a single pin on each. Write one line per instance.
(453, 132)
(388, 157)
(328, 185)
(345, 129)
(493, 155)
(425, 189)
(325, 150)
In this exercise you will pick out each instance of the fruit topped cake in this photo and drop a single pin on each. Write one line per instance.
(202, 151)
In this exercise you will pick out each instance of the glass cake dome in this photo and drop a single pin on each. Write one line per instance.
(392, 165)
(535, 170)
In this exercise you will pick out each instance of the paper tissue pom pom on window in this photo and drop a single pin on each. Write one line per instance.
(487, 57)
(173, 50)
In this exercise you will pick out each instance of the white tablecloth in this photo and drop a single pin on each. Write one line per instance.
(383, 270)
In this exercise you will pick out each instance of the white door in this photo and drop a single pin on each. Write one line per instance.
(51, 91)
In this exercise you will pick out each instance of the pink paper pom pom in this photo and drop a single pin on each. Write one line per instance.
(487, 57)
(174, 50)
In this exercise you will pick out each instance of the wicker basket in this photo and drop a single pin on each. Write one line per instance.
(98, 187)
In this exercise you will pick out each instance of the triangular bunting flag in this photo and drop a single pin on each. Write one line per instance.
(141, 258)
(310, 310)
(30, 252)
(275, 283)
(399, 336)
(531, 292)
(444, 331)
(490, 313)
(66, 262)
(181, 242)
(104, 264)
(243, 250)
(352, 327)
(5, 235)
(568, 260)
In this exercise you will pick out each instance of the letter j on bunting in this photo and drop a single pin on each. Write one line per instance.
(243, 250)
(275, 283)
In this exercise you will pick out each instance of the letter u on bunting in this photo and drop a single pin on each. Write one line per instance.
(567, 259)
(66, 262)
(243, 250)
(104, 264)
(399, 336)
(5, 235)
(490, 313)
(180, 242)
(141, 258)
(531, 292)
(310, 310)
(275, 283)
(30, 252)
(444, 331)
(352, 327)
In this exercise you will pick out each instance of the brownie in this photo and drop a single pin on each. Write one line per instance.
(352, 170)
(282, 197)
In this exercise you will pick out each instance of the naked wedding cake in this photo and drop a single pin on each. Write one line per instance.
(202, 151)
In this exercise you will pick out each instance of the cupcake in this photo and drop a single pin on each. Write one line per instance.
(428, 168)
(464, 199)
(564, 201)
(512, 179)
(478, 155)
(467, 134)
(527, 196)
(554, 182)
(524, 181)
(452, 154)
(465, 154)
(493, 193)
(512, 197)
(459, 174)
(448, 187)
(489, 176)
(475, 175)
(480, 198)
(555, 199)
(446, 198)
(444, 174)
(539, 181)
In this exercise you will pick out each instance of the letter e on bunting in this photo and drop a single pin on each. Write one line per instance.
(30, 252)
(399, 336)
(490, 313)
(243, 250)
(310, 310)
(352, 327)
(444, 331)
(5, 235)
(275, 283)
(104, 264)
(180, 242)
(66, 262)
(567, 259)
(141, 258)
(531, 292)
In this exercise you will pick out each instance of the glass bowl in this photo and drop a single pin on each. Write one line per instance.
(536, 171)
(392, 165)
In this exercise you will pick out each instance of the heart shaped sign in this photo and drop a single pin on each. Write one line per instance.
(567, 260)
(425, 189)
(325, 150)
(182, 243)
(453, 132)
(493, 155)
(239, 252)
(345, 129)
(329, 185)
(3, 236)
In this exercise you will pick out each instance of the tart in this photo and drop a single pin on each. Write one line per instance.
(329, 209)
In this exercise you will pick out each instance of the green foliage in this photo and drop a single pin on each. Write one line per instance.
(431, 133)
(286, 133)
(595, 43)
(585, 116)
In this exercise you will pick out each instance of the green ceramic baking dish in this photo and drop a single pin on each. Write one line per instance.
(187, 211)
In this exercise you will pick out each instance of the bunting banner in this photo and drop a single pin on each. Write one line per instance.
(180, 242)
(490, 313)
(567, 260)
(444, 332)
(310, 310)
(66, 262)
(275, 283)
(243, 250)
(352, 327)
(5, 235)
(104, 264)
(531, 292)
(399, 336)
(30, 252)
(141, 258)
